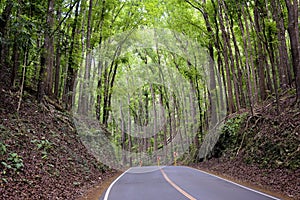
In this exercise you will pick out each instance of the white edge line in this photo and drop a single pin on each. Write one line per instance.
(247, 188)
(112, 184)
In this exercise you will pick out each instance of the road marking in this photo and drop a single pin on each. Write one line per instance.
(111, 185)
(176, 186)
(258, 192)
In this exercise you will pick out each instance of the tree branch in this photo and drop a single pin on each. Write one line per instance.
(191, 4)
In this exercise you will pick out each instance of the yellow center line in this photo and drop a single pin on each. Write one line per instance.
(177, 187)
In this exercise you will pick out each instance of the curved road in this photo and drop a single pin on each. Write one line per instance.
(176, 183)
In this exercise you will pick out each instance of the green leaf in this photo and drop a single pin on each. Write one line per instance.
(19, 165)
(2, 148)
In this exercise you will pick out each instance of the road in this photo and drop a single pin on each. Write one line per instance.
(176, 183)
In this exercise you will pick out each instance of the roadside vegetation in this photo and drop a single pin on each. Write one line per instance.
(41, 155)
(263, 150)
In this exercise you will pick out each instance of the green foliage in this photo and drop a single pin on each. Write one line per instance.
(230, 138)
(232, 126)
(269, 153)
(267, 150)
(2, 148)
(14, 163)
(44, 145)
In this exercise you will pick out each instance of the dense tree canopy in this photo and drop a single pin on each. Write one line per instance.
(53, 48)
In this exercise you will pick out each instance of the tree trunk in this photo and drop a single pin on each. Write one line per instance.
(261, 61)
(230, 99)
(274, 76)
(111, 84)
(4, 18)
(123, 135)
(212, 79)
(129, 131)
(250, 54)
(72, 70)
(100, 66)
(84, 102)
(283, 66)
(219, 58)
(50, 48)
(245, 41)
(232, 67)
(58, 59)
(16, 63)
(46, 70)
(293, 30)
(238, 62)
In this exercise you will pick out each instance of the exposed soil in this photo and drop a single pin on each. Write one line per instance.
(96, 192)
(41, 155)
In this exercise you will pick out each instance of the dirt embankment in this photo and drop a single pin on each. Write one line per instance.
(262, 150)
(41, 155)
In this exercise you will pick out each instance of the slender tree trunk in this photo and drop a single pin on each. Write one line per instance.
(83, 52)
(16, 63)
(129, 131)
(232, 66)
(58, 60)
(245, 41)
(283, 67)
(274, 76)
(100, 66)
(217, 45)
(4, 19)
(261, 61)
(92, 86)
(44, 86)
(99, 92)
(88, 60)
(212, 79)
(163, 111)
(230, 99)
(16, 53)
(152, 90)
(250, 53)
(268, 72)
(72, 71)
(50, 56)
(111, 84)
(293, 30)
(123, 135)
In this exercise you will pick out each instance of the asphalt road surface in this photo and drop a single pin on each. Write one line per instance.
(176, 183)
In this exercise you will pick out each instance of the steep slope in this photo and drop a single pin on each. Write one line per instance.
(41, 155)
(264, 149)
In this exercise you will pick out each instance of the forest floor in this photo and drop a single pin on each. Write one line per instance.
(265, 153)
(41, 155)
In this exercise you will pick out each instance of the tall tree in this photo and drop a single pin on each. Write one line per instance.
(3, 35)
(58, 57)
(72, 67)
(261, 60)
(84, 101)
(46, 70)
(226, 46)
(293, 29)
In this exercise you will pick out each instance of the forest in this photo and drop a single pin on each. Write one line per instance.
(150, 81)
